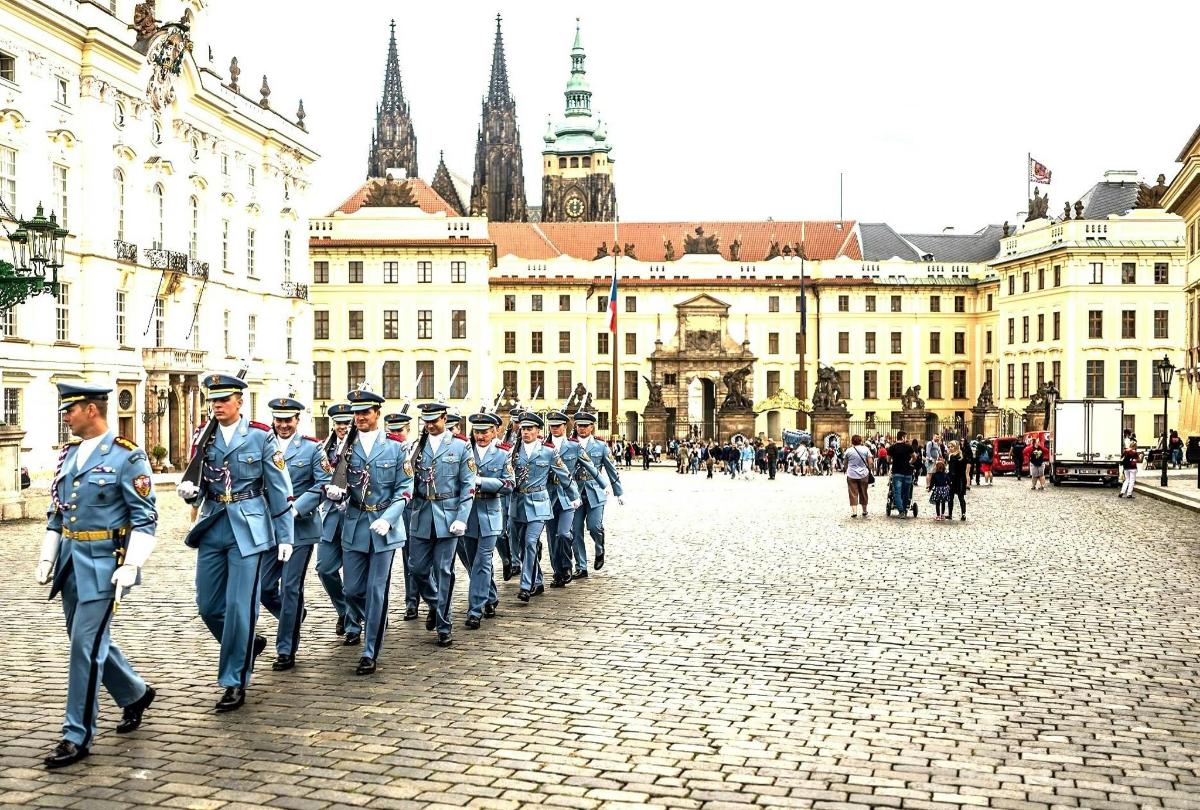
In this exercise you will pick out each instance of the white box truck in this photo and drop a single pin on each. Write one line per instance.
(1087, 440)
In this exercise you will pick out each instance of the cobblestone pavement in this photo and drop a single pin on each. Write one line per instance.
(746, 644)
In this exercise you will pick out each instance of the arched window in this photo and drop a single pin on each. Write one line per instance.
(119, 201)
(194, 228)
(562, 163)
(287, 256)
(574, 163)
(159, 210)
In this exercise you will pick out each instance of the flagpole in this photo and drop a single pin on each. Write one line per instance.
(1028, 180)
(616, 334)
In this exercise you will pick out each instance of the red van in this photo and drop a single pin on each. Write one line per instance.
(1001, 455)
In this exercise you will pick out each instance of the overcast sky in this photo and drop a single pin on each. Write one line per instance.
(750, 110)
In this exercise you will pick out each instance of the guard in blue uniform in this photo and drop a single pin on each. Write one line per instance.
(533, 463)
(379, 487)
(504, 544)
(397, 426)
(560, 528)
(592, 490)
(245, 513)
(283, 583)
(442, 498)
(329, 550)
(99, 532)
(493, 480)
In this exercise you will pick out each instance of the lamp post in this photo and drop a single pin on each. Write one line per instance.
(1165, 372)
(38, 245)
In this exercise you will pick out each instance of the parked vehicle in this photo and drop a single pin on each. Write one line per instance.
(1087, 436)
(1001, 454)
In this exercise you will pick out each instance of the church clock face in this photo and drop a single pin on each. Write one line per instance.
(574, 207)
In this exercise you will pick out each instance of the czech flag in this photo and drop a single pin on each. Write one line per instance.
(612, 305)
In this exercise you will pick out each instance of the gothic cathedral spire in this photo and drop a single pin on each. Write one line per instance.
(498, 187)
(394, 143)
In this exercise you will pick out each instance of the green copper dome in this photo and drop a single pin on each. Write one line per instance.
(580, 133)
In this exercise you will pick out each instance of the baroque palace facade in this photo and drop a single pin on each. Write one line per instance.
(183, 193)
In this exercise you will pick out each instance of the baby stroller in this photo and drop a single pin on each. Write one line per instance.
(891, 502)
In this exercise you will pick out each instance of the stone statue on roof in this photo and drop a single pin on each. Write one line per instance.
(668, 251)
(1151, 197)
(774, 251)
(389, 194)
(1066, 211)
(700, 243)
(735, 250)
(601, 251)
(1078, 209)
(1038, 206)
(629, 254)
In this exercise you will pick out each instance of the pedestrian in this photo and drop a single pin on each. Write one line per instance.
(900, 455)
(710, 460)
(1037, 465)
(629, 455)
(976, 452)
(933, 451)
(648, 455)
(772, 456)
(99, 533)
(1129, 469)
(1175, 445)
(958, 467)
(881, 458)
(984, 461)
(939, 489)
(1017, 450)
(858, 474)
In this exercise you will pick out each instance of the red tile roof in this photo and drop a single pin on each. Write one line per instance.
(545, 240)
(427, 199)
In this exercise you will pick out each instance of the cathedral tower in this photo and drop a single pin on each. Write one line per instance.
(394, 143)
(498, 187)
(577, 169)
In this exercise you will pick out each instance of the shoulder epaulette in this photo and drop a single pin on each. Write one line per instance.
(549, 444)
(312, 439)
(460, 437)
(505, 446)
(121, 441)
(260, 426)
(573, 439)
(396, 437)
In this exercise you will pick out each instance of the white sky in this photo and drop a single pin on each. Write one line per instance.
(749, 110)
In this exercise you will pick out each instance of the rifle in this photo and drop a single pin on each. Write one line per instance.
(418, 447)
(196, 464)
(514, 416)
(342, 470)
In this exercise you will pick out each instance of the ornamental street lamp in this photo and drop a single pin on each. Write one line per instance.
(38, 245)
(160, 405)
(1165, 372)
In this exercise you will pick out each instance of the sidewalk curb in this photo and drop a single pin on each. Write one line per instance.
(1166, 495)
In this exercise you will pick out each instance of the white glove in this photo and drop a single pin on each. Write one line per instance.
(295, 514)
(458, 528)
(49, 553)
(285, 552)
(139, 548)
(381, 527)
(578, 502)
(187, 490)
(124, 578)
(334, 493)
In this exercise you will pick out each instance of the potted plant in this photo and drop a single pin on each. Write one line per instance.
(159, 453)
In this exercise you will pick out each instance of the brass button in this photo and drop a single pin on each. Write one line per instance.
(72, 518)
(76, 484)
(74, 495)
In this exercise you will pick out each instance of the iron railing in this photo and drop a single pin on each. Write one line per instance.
(292, 289)
(126, 251)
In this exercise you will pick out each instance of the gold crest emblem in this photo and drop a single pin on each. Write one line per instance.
(325, 465)
(408, 468)
(142, 485)
(214, 379)
(278, 461)
(471, 464)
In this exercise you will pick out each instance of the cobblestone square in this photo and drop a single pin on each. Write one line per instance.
(747, 643)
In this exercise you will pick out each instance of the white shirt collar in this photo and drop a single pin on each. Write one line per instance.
(558, 441)
(228, 431)
(530, 447)
(367, 439)
(85, 449)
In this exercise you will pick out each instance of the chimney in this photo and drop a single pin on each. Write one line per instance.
(1121, 176)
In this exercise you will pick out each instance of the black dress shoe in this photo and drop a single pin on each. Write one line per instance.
(340, 629)
(580, 573)
(444, 640)
(523, 595)
(366, 666)
(599, 561)
(489, 610)
(260, 644)
(538, 590)
(132, 714)
(351, 639)
(431, 621)
(559, 581)
(283, 661)
(65, 753)
(472, 622)
(234, 698)
(508, 571)
(410, 613)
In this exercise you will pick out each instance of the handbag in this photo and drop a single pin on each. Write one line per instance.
(870, 475)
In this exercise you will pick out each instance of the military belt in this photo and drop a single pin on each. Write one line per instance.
(235, 497)
(582, 476)
(91, 535)
(486, 496)
(370, 507)
(527, 490)
(435, 497)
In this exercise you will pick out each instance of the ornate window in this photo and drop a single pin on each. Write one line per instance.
(160, 214)
(119, 202)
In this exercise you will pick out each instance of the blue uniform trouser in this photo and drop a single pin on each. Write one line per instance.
(901, 491)
(227, 596)
(476, 556)
(503, 544)
(368, 580)
(329, 566)
(432, 561)
(530, 534)
(560, 531)
(593, 517)
(283, 594)
(94, 660)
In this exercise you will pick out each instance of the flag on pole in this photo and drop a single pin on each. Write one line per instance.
(1038, 173)
(612, 305)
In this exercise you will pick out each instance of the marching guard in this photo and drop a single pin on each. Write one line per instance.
(245, 513)
(443, 494)
(397, 426)
(493, 481)
(561, 527)
(99, 534)
(329, 550)
(283, 582)
(533, 462)
(379, 486)
(592, 489)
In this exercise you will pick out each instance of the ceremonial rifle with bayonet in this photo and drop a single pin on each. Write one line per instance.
(194, 471)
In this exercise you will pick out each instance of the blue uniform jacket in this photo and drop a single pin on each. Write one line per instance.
(447, 477)
(577, 462)
(380, 486)
(495, 482)
(601, 458)
(531, 498)
(112, 491)
(250, 463)
(309, 475)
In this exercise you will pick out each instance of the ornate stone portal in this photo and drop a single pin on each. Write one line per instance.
(706, 377)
